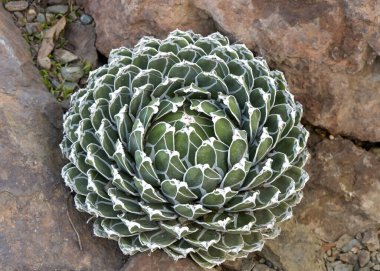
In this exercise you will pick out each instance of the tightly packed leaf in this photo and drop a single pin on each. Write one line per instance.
(188, 144)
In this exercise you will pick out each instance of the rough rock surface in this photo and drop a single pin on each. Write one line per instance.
(327, 49)
(81, 41)
(125, 22)
(340, 197)
(35, 232)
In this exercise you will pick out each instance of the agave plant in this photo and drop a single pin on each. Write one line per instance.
(188, 144)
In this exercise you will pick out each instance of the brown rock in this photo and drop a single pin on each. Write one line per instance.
(159, 261)
(297, 248)
(371, 239)
(81, 41)
(36, 233)
(344, 183)
(124, 23)
(364, 257)
(327, 49)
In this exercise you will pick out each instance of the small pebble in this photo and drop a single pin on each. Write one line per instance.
(331, 137)
(376, 267)
(72, 74)
(16, 5)
(262, 260)
(364, 257)
(58, 9)
(32, 28)
(329, 252)
(41, 18)
(85, 19)
(64, 56)
(31, 14)
(19, 15)
(359, 236)
(348, 258)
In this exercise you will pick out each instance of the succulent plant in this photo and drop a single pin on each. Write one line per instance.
(188, 144)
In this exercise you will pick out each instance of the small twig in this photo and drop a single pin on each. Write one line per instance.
(72, 225)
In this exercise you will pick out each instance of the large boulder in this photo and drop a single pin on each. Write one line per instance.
(39, 228)
(341, 197)
(327, 49)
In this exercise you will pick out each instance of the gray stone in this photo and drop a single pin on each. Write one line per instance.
(349, 257)
(343, 267)
(35, 228)
(85, 19)
(41, 18)
(32, 28)
(262, 267)
(16, 5)
(371, 239)
(57, 9)
(72, 74)
(64, 56)
(343, 240)
(351, 244)
(364, 257)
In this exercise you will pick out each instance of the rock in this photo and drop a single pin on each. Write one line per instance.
(32, 28)
(84, 47)
(72, 74)
(329, 52)
(85, 19)
(349, 257)
(56, 2)
(262, 267)
(371, 240)
(31, 14)
(36, 233)
(297, 248)
(64, 56)
(233, 265)
(376, 267)
(364, 269)
(364, 257)
(16, 5)
(343, 240)
(124, 23)
(343, 267)
(335, 192)
(159, 261)
(57, 9)
(41, 18)
(351, 244)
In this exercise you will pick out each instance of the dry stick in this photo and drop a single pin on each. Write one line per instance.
(72, 225)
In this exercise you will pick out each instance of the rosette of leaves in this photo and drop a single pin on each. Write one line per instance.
(188, 144)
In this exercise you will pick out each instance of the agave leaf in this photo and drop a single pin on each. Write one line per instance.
(131, 245)
(177, 192)
(190, 211)
(201, 179)
(158, 211)
(217, 198)
(147, 192)
(203, 238)
(123, 202)
(177, 229)
(156, 239)
(213, 64)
